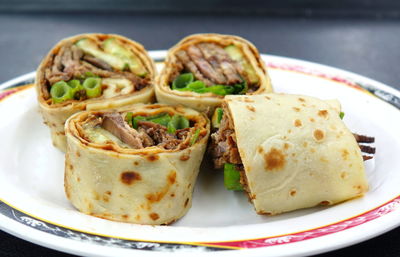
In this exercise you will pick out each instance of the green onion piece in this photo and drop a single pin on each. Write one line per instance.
(90, 74)
(92, 87)
(182, 80)
(128, 118)
(195, 137)
(61, 92)
(162, 120)
(173, 124)
(75, 85)
(183, 123)
(341, 115)
(196, 85)
(218, 89)
(232, 177)
(136, 119)
(220, 113)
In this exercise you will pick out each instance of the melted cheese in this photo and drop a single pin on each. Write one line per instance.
(116, 87)
(98, 135)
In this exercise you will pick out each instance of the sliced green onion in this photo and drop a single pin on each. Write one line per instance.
(232, 177)
(162, 120)
(173, 124)
(90, 74)
(341, 115)
(61, 92)
(220, 113)
(182, 80)
(92, 87)
(195, 137)
(136, 119)
(128, 118)
(183, 123)
(75, 85)
(196, 85)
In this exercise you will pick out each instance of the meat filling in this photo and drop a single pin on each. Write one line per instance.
(147, 134)
(72, 63)
(210, 63)
(223, 147)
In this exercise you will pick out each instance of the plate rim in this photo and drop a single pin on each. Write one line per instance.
(364, 83)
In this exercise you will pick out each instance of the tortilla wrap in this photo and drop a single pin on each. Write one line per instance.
(202, 102)
(296, 152)
(144, 186)
(55, 115)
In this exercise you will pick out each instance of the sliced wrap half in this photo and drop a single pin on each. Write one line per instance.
(202, 68)
(144, 175)
(292, 151)
(117, 71)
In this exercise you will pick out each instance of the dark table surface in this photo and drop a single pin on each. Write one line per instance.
(369, 47)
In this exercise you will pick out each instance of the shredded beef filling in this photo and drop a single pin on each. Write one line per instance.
(210, 63)
(71, 62)
(223, 147)
(148, 133)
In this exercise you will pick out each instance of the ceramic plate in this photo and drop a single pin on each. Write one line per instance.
(220, 223)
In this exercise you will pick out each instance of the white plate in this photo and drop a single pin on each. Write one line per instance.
(220, 223)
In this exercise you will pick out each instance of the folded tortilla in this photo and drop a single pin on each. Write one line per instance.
(202, 101)
(64, 63)
(296, 152)
(108, 179)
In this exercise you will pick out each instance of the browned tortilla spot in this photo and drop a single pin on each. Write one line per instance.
(274, 159)
(154, 216)
(345, 154)
(296, 109)
(78, 154)
(286, 146)
(125, 216)
(324, 203)
(248, 100)
(153, 157)
(318, 134)
(343, 174)
(184, 157)
(70, 166)
(305, 144)
(172, 195)
(106, 198)
(298, 123)
(301, 99)
(186, 202)
(78, 179)
(251, 108)
(260, 149)
(129, 177)
(136, 163)
(108, 192)
(172, 177)
(323, 113)
(312, 119)
(137, 217)
(268, 98)
(293, 192)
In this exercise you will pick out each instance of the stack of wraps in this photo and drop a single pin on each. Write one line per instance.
(214, 59)
(151, 185)
(295, 151)
(83, 55)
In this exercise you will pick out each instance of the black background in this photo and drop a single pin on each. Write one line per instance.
(359, 36)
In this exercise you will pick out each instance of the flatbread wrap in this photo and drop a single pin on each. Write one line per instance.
(138, 166)
(202, 68)
(289, 152)
(91, 72)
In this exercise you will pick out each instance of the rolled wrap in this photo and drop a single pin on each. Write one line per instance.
(145, 186)
(55, 114)
(204, 101)
(296, 152)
